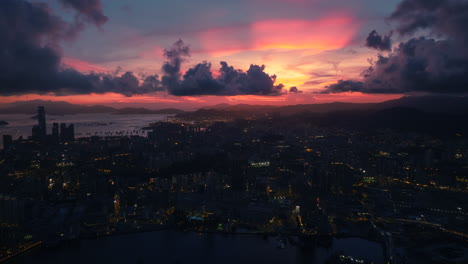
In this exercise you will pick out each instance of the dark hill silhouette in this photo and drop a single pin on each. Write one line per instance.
(65, 108)
(432, 104)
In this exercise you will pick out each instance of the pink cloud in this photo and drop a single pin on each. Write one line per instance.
(332, 32)
(153, 53)
(82, 66)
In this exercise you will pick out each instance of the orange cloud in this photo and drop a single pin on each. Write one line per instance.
(328, 33)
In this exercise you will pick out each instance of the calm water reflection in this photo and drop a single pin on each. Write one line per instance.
(181, 248)
(85, 124)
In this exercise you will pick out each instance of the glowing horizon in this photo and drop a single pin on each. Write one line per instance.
(306, 45)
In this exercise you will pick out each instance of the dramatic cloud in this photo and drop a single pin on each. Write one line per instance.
(328, 32)
(437, 63)
(30, 59)
(441, 17)
(177, 54)
(376, 41)
(127, 84)
(294, 90)
(346, 86)
(199, 80)
(90, 10)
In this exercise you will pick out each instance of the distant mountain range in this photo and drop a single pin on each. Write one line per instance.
(430, 104)
(441, 104)
(442, 115)
(65, 108)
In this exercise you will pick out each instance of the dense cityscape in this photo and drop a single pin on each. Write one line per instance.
(247, 131)
(269, 176)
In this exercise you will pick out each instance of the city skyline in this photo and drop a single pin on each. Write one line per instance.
(250, 131)
(385, 185)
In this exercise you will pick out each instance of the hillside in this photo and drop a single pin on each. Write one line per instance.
(65, 108)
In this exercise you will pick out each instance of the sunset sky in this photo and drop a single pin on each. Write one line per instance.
(309, 44)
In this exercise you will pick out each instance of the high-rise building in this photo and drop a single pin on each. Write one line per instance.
(39, 131)
(63, 129)
(41, 123)
(71, 132)
(36, 133)
(67, 134)
(55, 133)
(7, 141)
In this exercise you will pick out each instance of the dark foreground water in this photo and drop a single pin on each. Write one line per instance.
(189, 248)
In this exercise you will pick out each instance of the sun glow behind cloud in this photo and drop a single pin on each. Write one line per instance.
(285, 45)
(278, 43)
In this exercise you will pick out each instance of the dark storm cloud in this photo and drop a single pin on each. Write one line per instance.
(437, 63)
(150, 84)
(127, 84)
(199, 80)
(30, 59)
(441, 17)
(346, 86)
(90, 10)
(376, 41)
(177, 54)
(294, 90)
